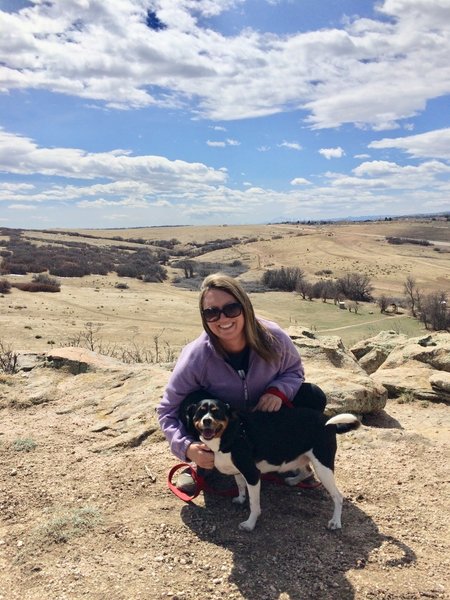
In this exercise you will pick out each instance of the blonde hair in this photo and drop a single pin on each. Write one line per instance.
(258, 337)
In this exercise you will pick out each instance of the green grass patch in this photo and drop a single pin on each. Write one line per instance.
(325, 318)
(24, 445)
(68, 524)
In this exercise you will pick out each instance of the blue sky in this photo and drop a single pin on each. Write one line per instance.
(132, 113)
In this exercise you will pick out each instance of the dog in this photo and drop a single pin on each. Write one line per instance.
(248, 444)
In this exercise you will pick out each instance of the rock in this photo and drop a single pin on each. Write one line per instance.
(328, 364)
(371, 353)
(416, 367)
(440, 381)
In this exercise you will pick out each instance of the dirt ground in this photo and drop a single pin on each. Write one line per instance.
(75, 524)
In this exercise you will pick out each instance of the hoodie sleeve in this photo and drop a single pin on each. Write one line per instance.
(291, 373)
(185, 379)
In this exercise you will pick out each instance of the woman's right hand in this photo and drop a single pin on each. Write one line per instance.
(201, 455)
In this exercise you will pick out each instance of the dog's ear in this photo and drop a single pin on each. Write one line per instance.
(187, 418)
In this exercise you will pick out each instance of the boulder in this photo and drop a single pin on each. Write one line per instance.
(418, 367)
(372, 353)
(328, 364)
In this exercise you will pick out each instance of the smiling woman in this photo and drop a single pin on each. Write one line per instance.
(241, 359)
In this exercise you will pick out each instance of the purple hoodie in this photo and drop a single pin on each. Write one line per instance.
(201, 367)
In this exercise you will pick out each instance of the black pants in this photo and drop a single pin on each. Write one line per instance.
(310, 395)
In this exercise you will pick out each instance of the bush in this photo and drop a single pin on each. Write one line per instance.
(46, 280)
(355, 286)
(8, 358)
(5, 286)
(32, 286)
(284, 279)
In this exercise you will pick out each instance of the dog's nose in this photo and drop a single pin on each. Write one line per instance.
(207, 421)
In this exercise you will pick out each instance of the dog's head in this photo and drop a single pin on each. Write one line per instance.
(209, 418)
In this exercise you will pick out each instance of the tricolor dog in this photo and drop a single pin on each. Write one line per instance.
(248, 444)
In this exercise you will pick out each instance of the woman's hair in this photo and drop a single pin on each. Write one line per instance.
(258, 337)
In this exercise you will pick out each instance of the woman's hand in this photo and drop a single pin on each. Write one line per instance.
(269, 403)
(201, 455)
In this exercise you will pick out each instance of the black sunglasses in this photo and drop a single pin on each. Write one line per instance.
(231, 310)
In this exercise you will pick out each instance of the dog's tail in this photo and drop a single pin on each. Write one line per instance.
(344, 422)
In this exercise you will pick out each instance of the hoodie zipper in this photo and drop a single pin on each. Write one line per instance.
(241, 374)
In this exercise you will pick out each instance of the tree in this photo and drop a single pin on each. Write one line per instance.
(413, 295)
(383, 302)
(303, 288)
(355, 286)
(434, 312)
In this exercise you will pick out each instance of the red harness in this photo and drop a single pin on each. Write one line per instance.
(202, 485)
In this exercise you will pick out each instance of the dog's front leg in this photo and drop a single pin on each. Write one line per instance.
(242, 487)
(255, 507)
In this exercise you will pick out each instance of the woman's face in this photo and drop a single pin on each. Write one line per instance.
(228, 330)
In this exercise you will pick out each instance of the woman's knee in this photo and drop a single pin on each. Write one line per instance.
(311, 395)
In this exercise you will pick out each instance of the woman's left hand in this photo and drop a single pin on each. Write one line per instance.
(269, 403)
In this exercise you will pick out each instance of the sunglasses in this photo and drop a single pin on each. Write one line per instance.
(231, 310)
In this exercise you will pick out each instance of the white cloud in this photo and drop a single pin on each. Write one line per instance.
(433, 144)
(290, 145)
(21, 155)
(371, 72)
(329, 153)
(22, 207)
(223, 144)
(300, 181)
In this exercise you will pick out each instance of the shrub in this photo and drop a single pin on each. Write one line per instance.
(24, 445)
(8, 358)
(33, 286)
(285, 279)
(69, 524)
(5, 286)
(46, 280)
(355, 286)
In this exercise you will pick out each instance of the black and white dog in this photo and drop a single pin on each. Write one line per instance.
(248, 444)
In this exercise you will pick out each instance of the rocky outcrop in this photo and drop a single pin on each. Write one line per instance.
(372, 353)
(418, 367)
(117, 401)
(328, 364)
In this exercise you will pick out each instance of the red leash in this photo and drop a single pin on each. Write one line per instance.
(202, 486)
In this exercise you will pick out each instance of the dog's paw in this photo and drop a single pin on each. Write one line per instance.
(247, 525)
(334, 524)
(239, 499)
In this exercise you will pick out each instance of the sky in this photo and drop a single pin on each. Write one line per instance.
(137, 113)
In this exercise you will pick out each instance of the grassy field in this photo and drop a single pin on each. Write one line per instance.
(162, 317)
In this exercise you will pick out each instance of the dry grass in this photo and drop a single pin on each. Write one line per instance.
(133, 317)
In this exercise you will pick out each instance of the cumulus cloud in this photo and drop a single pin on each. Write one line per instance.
(329, 153)
(432, 144)
(107, 52)
(300, 181)
(21, 155)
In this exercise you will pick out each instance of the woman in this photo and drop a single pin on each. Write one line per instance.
(249, 362)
